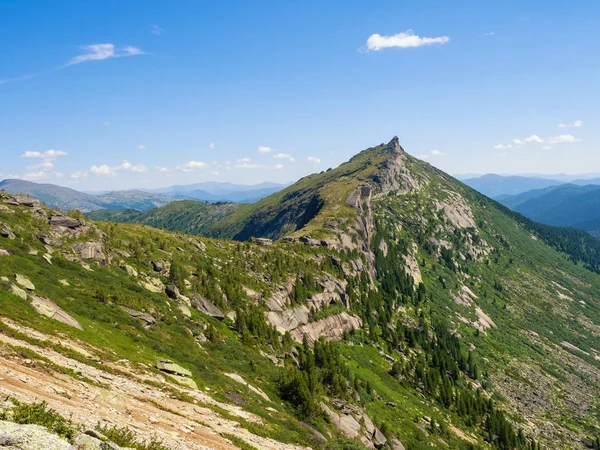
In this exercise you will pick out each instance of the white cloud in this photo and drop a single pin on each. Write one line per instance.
(287, 156)
(156, 30)
(245, 163)
(436, 153)
(576, 124)
(191, 166)
(265, 149)
(46, 166)
(142, 147)
(211, 145)
(113, 171)
(79, 174)
(99, 52)
(278, 166)
(313, 159)
(162, 169)
(48, 154)
(533, 138)
(407, 39)
(563, 139)
(214, 173)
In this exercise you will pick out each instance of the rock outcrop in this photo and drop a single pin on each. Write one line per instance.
(206, 307)
(50, 309)
(65, 221)
(146, 318)
(354, 424)
(89, 250)
(332, 328)
(15, 436)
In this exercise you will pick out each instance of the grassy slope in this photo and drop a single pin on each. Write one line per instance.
(187, 216)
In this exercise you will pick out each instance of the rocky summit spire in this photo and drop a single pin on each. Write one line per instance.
(394, 146)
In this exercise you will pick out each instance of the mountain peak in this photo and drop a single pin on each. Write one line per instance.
(394, 146)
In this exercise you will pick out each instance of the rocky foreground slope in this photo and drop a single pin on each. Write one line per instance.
(398, 309)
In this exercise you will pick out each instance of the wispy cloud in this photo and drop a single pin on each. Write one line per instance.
(287, 156)
(313, 160)
(156, 30)
(212, 145)
(94, 52)
(113, 171)
(142, 146)
(46, 166)
(191, 166)
(576, 124)
(407, 39)
(265, 149)
(99, 52)
(436, 153)
(535, 139)
(48, 154)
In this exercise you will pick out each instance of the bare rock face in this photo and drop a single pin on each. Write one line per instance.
(354, 423)
(5, 231)
(24, 282)
(393, 175)
(206, 307)
(332, 328)
(4, 252)
(89, 250)
(146, 318)
(64, 221)
(288, 319)
(30, 437)
(168, 366)
(52, 310)
(172, 291)
(24, 200)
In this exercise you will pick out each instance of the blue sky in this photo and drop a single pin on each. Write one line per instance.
(122, 94)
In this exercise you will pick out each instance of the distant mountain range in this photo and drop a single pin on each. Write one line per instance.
(500, 187)
(140, 200)
(566, 205)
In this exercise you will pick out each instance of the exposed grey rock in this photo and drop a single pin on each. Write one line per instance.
(378, 438)
(332, 328)
(288, 319)
(206, 307)
(172, 291)
(158, 266)
(32, 437)
(64, 221)
(263, 241)
(16, 290)
(24, 200)
(148, 319)
(46, 240)
(5, 231)
(89, 250)
(396, 444)
(50, 309)
(24, 282)
(4, 252)
(130, 270)
(168, 366)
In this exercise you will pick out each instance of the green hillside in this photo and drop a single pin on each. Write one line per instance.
(187, 216)
(401, 309)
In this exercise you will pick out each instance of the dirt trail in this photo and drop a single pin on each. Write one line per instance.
(126, 401)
